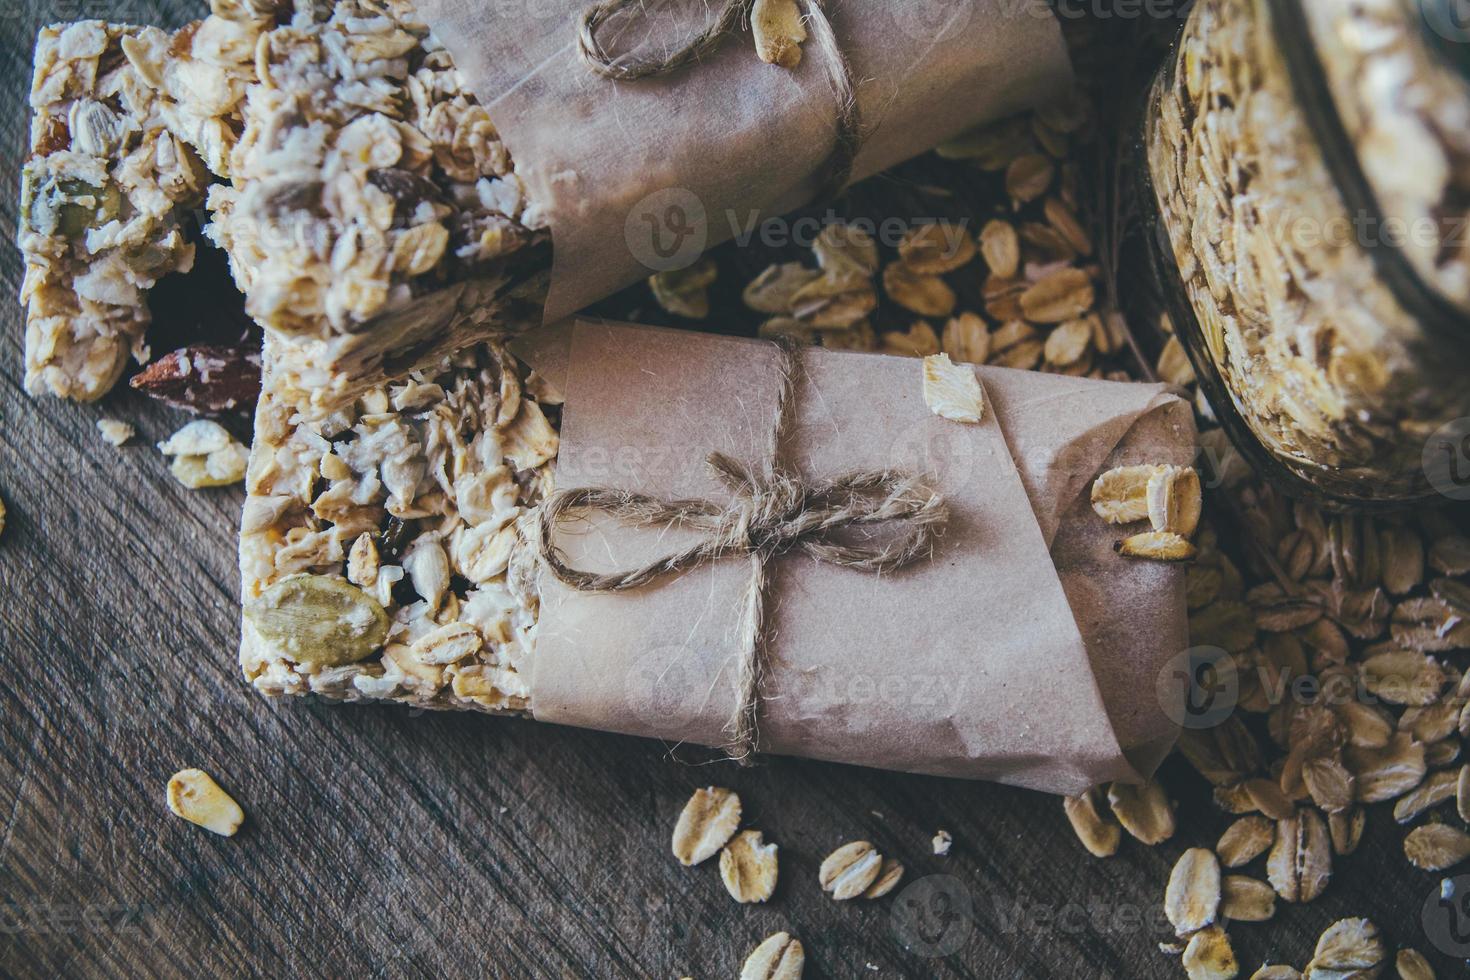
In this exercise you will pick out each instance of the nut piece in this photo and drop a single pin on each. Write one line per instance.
(952, 391)
(778, 32)
(196, 797)
(1192, 898)
(778, 958)
(320, 621)
(1099, 835)
(205, 380)
(1435, 847)
(1120, 496)
(1209, 956)
(1156, 546)
(888, 878)
(748, 867)
(850, 870)
(1174, 500)
(709, 820)
(205, 455)
(1144, 811)
(1245, 899)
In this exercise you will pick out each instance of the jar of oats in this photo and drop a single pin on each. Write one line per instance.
(1307, 176)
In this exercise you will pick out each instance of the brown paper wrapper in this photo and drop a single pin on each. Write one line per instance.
(1024, 651)
(643, 176)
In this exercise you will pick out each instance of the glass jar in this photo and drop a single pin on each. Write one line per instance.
(1304, 170)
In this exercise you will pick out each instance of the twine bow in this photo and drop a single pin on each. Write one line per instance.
(837, 169)
(771, 512)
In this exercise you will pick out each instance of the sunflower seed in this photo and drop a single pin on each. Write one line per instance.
(324, 622)
(707, 822)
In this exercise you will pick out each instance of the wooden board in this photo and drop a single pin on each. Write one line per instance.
(381, 842)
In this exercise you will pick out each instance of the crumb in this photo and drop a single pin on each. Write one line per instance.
(942, 841)
(115, 432)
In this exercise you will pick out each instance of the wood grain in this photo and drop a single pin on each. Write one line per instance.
(384, 843)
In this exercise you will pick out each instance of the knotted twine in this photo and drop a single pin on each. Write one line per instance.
(836, 171)
(772, 511)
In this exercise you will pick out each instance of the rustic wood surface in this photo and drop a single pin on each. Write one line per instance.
(381, 842)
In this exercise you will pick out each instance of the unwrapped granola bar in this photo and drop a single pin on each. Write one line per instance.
(373, 218)
(104, 197)
(382, 547)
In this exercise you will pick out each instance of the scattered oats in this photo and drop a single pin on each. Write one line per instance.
(918, 341)
(1098, 834)
(115, 432)
(1436, 846)
(1346, 830)
(778, 31)
(850, 870)
(1156, 546)
(937, 247)
(748, 866)
(1192, 898)
(1120, 496)
(1331, 786)
(1244, 899)
(1437, 788)
(779, 957)
(1277, 973)
(1029, 176)
(1061, 295)
(1412, 965)
(1174, 500)
(942, 842)
(1462, 793)
(1267, 797)
(924, 294)
(685, 292)
(1346, 946)
(1245, 840)
(888, 878)
(1386, 773)
(1174, 367)
(1068, 343)
(1209, 956)
(1300, 862)
(772, 291)
(1144, 811)
(952, 391)
(966, 339)
(1001, 249)
(707, 822)
(195, 796)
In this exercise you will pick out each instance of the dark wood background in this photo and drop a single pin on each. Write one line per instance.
(382, 842)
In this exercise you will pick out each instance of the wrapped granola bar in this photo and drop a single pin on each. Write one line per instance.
(392, 552)
(104, 199)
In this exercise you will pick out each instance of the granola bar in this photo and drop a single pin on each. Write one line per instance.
(104, 196)
(373, 219)
(382, 548)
